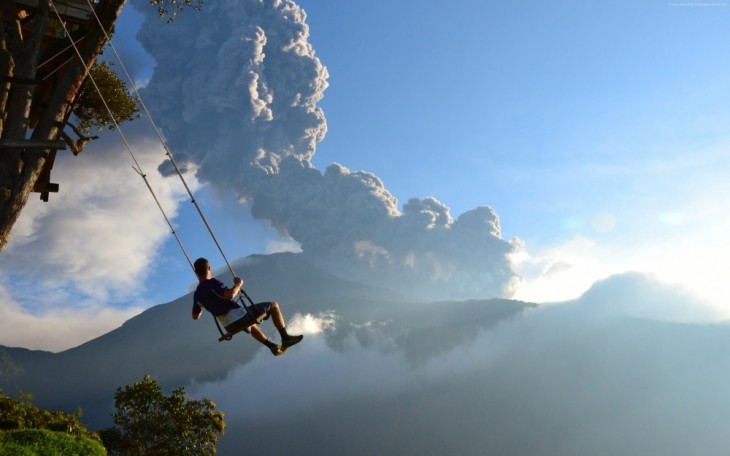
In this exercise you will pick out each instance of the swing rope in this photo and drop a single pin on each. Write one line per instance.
(138, 168)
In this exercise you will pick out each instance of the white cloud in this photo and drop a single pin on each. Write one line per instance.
(55, 328)
(103, 228)
(89, 247)
(695, 256)
(560, 272)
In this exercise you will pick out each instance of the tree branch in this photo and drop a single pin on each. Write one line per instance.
(76, 145)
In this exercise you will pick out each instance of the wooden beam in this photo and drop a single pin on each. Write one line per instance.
(75, 10)
(16, 144)
(45, 188)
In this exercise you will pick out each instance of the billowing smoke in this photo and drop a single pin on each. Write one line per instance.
(235, 90)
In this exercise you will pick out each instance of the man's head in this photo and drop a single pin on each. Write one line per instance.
(202, 267)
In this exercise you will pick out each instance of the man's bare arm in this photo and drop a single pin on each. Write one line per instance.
(231, 293)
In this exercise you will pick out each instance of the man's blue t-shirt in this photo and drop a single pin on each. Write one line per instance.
(209, 295)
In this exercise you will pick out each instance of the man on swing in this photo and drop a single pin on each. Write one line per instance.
(213, 296)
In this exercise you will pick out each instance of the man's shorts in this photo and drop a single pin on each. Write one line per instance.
(254, 314)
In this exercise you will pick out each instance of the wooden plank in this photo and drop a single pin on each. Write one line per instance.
(45, 188)
(17, 144)
(43, 185)
(71, 9)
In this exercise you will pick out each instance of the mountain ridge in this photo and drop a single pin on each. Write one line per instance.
(165, 342)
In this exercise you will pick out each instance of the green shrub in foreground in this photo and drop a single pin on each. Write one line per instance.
(42, 442)
(19, 414)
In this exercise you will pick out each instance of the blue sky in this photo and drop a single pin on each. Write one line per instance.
(596, 131)
(549, 113)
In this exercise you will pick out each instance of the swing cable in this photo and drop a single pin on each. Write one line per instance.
(138, 168)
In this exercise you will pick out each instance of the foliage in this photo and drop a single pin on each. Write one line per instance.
(42, 442)
(151, 424)
(114, 106)
(21, 414)
(90, 109)
(171, 8)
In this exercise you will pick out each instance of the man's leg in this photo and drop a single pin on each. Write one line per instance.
(277, 317)
(257, 334)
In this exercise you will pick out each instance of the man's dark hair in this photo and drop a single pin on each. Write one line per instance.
(201, 267)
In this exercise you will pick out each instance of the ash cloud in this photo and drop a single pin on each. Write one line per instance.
(236, 89)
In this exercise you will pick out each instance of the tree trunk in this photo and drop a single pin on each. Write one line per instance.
(19, 170)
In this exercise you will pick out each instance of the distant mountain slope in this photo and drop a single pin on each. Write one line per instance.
(165, 342)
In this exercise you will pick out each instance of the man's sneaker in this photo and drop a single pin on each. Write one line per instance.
(291, 340)
(277, 350)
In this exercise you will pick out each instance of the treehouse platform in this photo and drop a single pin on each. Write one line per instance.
(57, 53)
